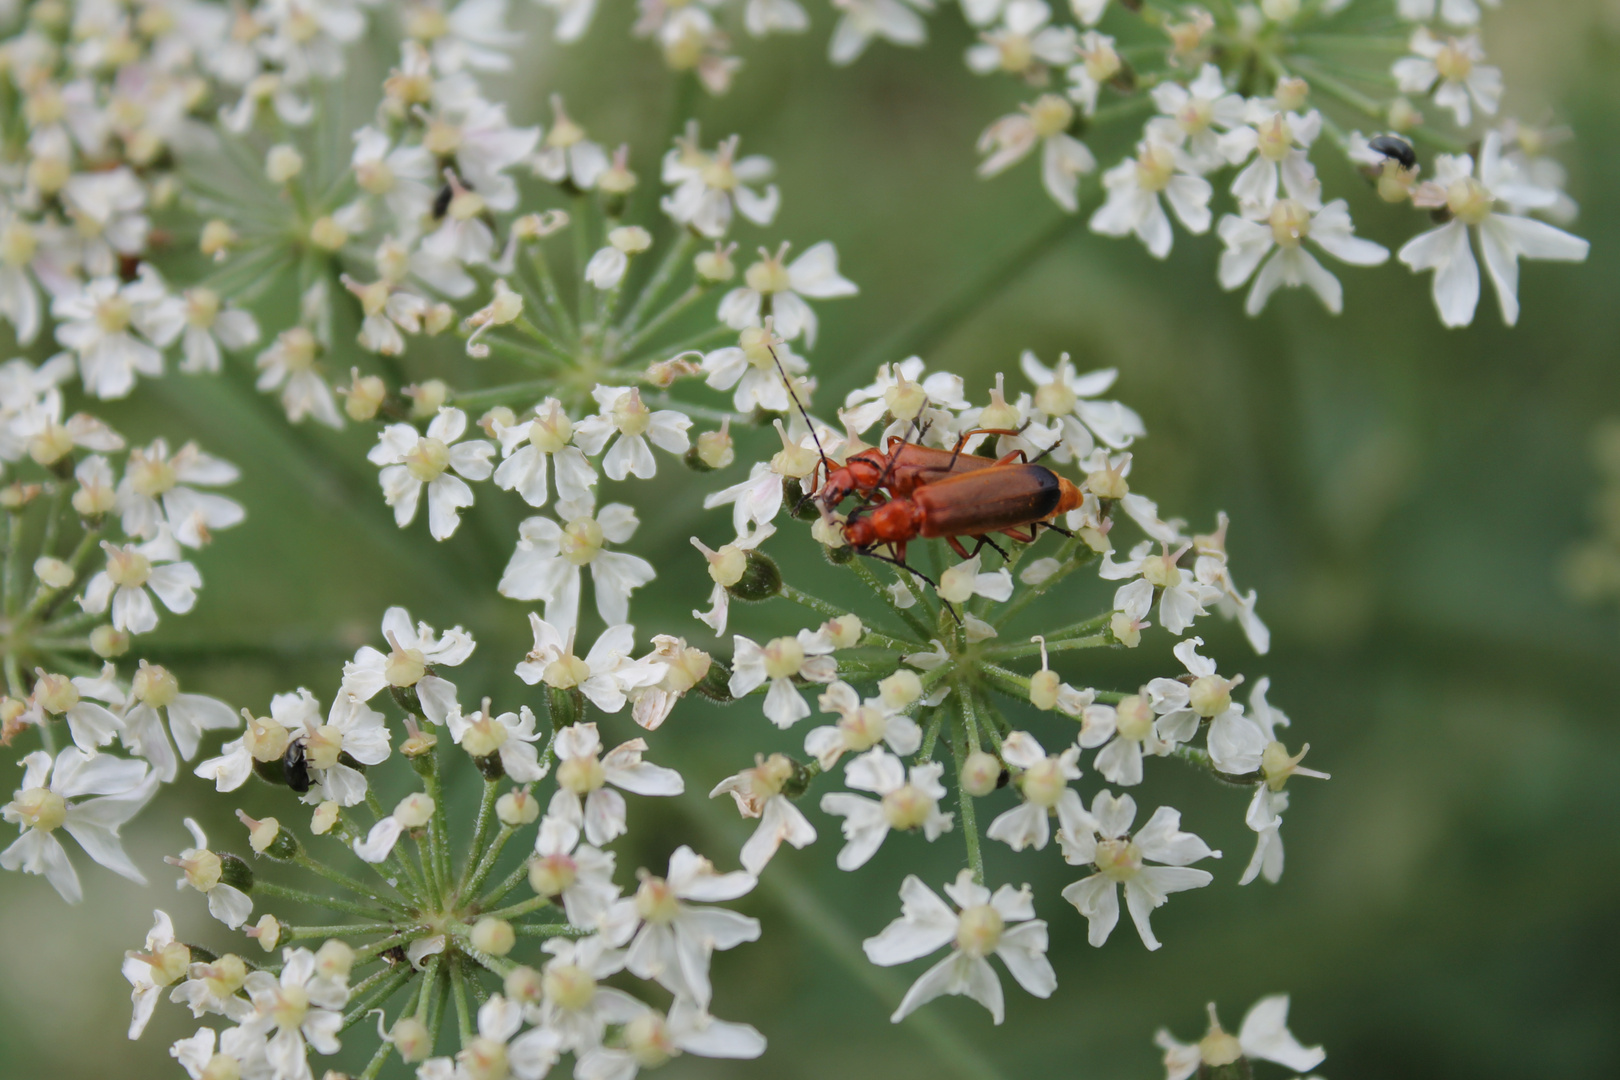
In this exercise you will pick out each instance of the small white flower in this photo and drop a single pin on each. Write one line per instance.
(759, 792)
(1280, 234)
(606, 675)
(1043, 781)
(1280, 142)
(651, 1038)
(566, 155)
(508, 736)
(623, 415)
(415, 653)
(1063, 396)
(162, 962)
(1023, 42)
(964, 581)
(779, 661)
(351, 728)
(1198, 114)
(411, 461)
(1454, 63)
(1263, 1036)
(101, 322)
(413, 812)
(1135, 186)
(1455, 12)
(579, 873)
(157, 489)
(903, 392)
(141, 707)
(1235, 741)
(238, 1047)
(726, 568)
(862, 20)
(494, 1051)
(1119, 858)
(778, 289)
(584, 800)
(751, 367)
(1211, 569)
(1265, 811)
(861, 726)
(134, 568)
(212, 327)
(1182, 597)
(709, 185)
(528, 445)
(576, 1009)
(1064, 159)
(904, 802)
(1125, 732)
(301, 1005)
(978, 929)
(1504, 238)
(671, 940)
(202, 869)
(289, 363)
(42, 805)
(404, 177)
(547, 562)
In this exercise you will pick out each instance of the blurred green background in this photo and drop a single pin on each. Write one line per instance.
(1401, 497)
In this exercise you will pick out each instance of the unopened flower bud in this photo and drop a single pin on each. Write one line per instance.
(334, 959)
(325, 818)
(901, 689)
(282, 163)
(53, 572)
(714, 449)
(1043, 689)
(523, 984)
(517, 808)
(364, 396)
(493, 936)
(327, 234)
(844, 632)
(981, 772)
(108, 642)
(427, 398)
(267, 931)
(411, 1039)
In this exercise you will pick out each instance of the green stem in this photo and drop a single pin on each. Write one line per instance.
(506, 885)
(1070, 563)
(832, 611)
(964, 801)
(486, 811)
(393, 979)
(337, 877)
(285, 892)
(691, 296)
(463, 1013)
(1013, 652)
(487, 863)
(551, 930)
(931, 735)
(870, 580)
(298, 933)
(678, 253)
(522, 907)
(548, 289)
(502, 395)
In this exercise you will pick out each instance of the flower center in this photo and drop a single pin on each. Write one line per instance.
(168, 963)
(56, 694)
(1118, 860)
(376, 177)
(1154, 167)
(1468, 201)
(202, 307)
(155, 686)
(1219, 1048)
(647, 1039)
(150, 476)
(1055, 399)
(1276, 138)
(768, 276)
(905, 399)
(581, 541)
(265, 739)
(1453, 62)
(1161, 571)
(429, 460)
(656, 902)
(1210, 696)
(1017, 52)
(784, 656)
(405, 667)
(553, 875)
(566, 672)
(978, 931)
(1044, 782)
(568, 986)
(485, 1059)
(549, 434)
(581, 775)
(51, 445)
(717, 173)
(201, 867)
(128, 568)
(1290, 223)
(1134, 718)
(863, 727)
(442, 138)
(484, 736)
(323, 746)
(112, 314)
(630, 416)
(425, 23)
(39, 808)
(1050, 115)
(292, 1005)
(906, 808)
(1195, 115)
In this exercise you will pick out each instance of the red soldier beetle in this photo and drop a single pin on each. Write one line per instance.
(1014, 499)
(905, 466)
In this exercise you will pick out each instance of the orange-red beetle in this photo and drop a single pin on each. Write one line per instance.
(905, 466)
(1013, 499)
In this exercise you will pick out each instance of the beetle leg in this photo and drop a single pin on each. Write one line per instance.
(1060, 530)
(956, 546)
(1019, 535)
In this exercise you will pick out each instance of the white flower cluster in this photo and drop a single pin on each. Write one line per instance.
(449, 926)
(929, 651)
(1212, 116)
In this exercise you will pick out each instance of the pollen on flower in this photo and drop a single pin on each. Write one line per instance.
(979, 930)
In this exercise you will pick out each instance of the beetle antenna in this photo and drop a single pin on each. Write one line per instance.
(787, 383)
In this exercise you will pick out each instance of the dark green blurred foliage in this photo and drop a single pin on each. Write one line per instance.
(1400, 495)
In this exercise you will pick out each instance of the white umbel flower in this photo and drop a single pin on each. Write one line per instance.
(1198, 114)
(862, 20)
(99, 322)
(1043, 781)
(606, 675)
(1504, 238)
(302, 1005)
(669, 938)
(1235, 742)
(907, 802)
(1064, 159)
(1280, 234)
(651, 1038)
(760, 793)
(709, 186)
(202, 869)
(528, 445)
(1455, 12)
(778, 288)
(1465, 82)
(1263, 1036)
(1134, 205)
(90, 796)
(861, 726)
(623, 415)
(585, 799)
(131, 570)
(416, 652)
(508, 736)
(157, 489)
(161, 962)
(581, 875)
(977, 930)
(1119, 857)
(549, 557)
(779, 661)
(411, 461)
